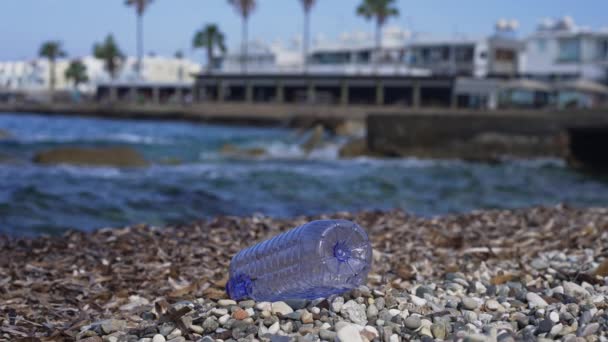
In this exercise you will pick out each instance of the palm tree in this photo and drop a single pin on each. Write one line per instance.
(52, 50)
(209, 38)
(381, 11)
(110, 53)
(244, 8)
(140, 9)
(179, 55)
(307, 5)
(77, 72)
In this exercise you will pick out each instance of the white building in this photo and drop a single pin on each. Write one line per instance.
(34, 76)
(562, 50)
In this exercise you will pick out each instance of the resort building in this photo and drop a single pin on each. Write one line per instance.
(34, 76)
(559, 49)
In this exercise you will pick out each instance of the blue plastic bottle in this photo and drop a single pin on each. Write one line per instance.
(315, 260)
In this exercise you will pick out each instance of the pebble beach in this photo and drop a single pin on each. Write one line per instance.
(506, 275)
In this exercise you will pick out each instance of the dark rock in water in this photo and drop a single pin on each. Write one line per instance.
(235, 151)
(106, 156)
(315, 140)
(355, 148)
(5, 134)
(350, 128)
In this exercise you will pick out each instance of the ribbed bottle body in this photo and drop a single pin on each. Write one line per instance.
(314, 260)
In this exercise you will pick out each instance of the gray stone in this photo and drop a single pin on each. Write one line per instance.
(413, 322)
(210, 324)
(354, 312)
(379, 303)
(470, 303)
(535, 300)
(439, 331)
(327, 335)
(336, 305)
(112, 325)
(348, 333)
(372, 312)
(158, 338)
(422, 290)
(575, 290)
(281, 308)
(177, 339)
(544, 326)
(589, 330)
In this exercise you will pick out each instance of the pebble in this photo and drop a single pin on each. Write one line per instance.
(306, 317)
(493, 305)
(470, 303)
(281, 308)
(158, 338)
(274, 328)
(438, 331)
(544, 326)
(554, 317)
(336, 305)
(264, 306)
(349, 333)
(354, 312)
(418, 301)
(226, 302)
(240, 314)
(327, 335)
(575, 290)
(590, 329)
(413, 322)
(535, 301)
(372, 311)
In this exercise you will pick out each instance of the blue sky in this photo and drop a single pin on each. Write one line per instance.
(170, 24)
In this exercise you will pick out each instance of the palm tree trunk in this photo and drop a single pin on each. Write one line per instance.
(140, 44)
(245, 34)
(378, 42)
(209, 56)
(306, 40)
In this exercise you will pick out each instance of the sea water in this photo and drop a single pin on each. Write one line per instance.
(190, 178)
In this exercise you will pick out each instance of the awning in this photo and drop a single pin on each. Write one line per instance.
(526, 84)
(584, 86)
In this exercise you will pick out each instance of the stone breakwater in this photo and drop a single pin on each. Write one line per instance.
(530, 274)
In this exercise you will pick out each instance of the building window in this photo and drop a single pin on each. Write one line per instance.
(464, 54)
(602, 49)
(504, 55)
(570, 50)
(541, 45)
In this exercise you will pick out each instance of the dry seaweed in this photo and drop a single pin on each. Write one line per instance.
(52, 287)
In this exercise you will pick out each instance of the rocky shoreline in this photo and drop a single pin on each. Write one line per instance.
(529, 274)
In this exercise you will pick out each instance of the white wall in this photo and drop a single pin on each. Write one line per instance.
(35, 75)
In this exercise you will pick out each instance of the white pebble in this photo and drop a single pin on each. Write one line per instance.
(273, 329)
(219, 312)
(224, 319)
(535, 300)
(418, 301)
(348, 333)
(394, 312)
(394, 338)
(226, 302)
(263, 306)
(175, 333)
(158, 338)
(372, 330)
(554, 316)
(250, 312)
(281, 308)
